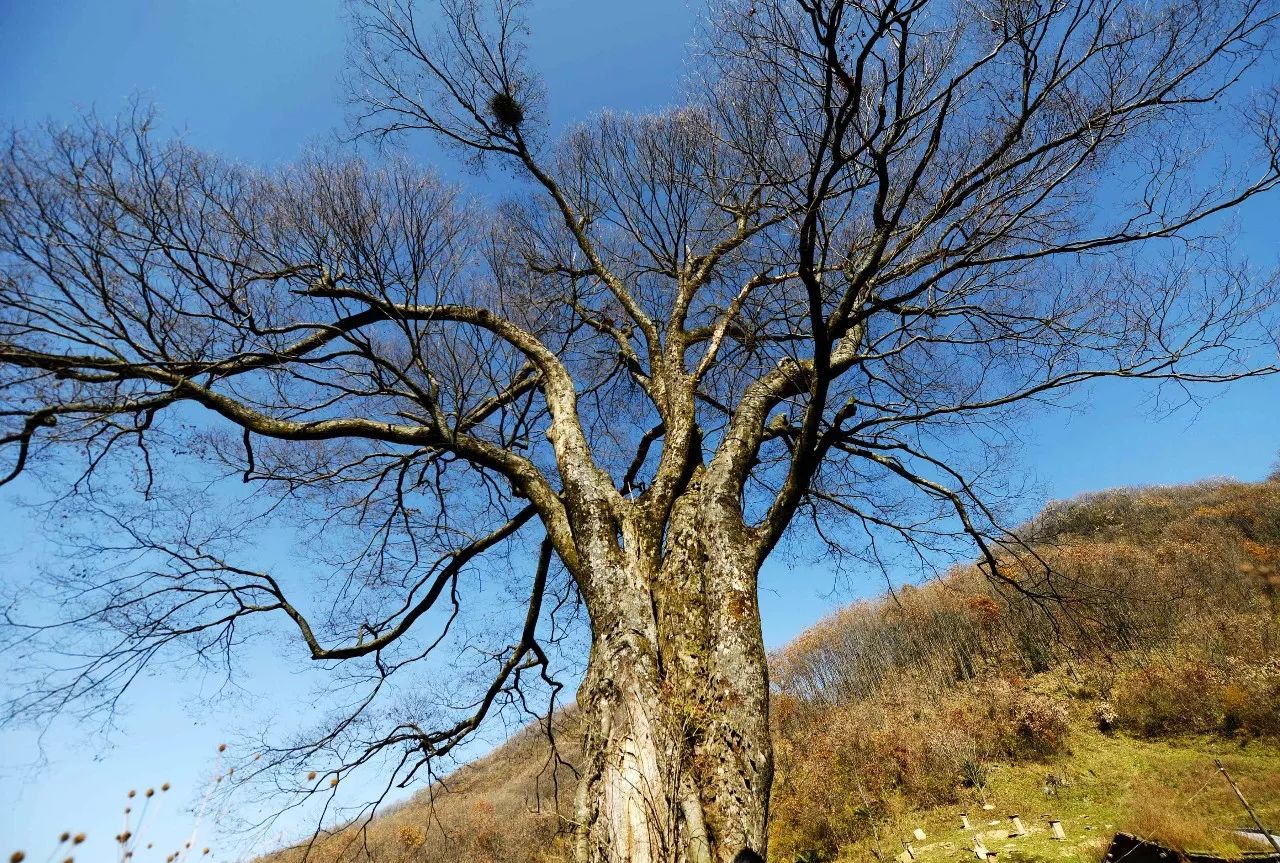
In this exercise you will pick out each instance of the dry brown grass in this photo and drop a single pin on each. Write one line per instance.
(498, 809)
(1155, 813)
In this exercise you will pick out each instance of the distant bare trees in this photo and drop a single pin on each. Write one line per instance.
(811, 299)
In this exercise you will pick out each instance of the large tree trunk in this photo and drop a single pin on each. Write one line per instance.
(677, 755)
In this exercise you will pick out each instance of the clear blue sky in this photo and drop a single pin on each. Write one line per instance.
(257, 81)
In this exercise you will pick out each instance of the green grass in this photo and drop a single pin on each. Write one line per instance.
(1166, 791)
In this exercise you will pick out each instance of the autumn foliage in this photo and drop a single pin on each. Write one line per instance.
(1145, 611)
(1162, 621)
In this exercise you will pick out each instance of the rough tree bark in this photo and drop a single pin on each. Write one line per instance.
(677, 754)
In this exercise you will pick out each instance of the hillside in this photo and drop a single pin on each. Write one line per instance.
(1165, 790)
(901, 713)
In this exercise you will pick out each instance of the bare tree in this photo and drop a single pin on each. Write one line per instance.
(810, 301)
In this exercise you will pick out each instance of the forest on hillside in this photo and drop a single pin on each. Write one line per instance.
(1133, 616)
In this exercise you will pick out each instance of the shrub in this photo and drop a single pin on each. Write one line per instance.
(1105, 716)
(411, 836)
(1228, 696)
(975, 774)
(1164, 699)
(1042, 723)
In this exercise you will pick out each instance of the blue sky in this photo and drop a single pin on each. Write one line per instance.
(258, 81)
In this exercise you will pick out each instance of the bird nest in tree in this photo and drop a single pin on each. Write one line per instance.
(506, 110)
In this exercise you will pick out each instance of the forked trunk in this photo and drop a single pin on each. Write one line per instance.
(677, 755)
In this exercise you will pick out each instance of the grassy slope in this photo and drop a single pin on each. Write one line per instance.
(1169, 789)
(500, 809)
(1110, 782)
